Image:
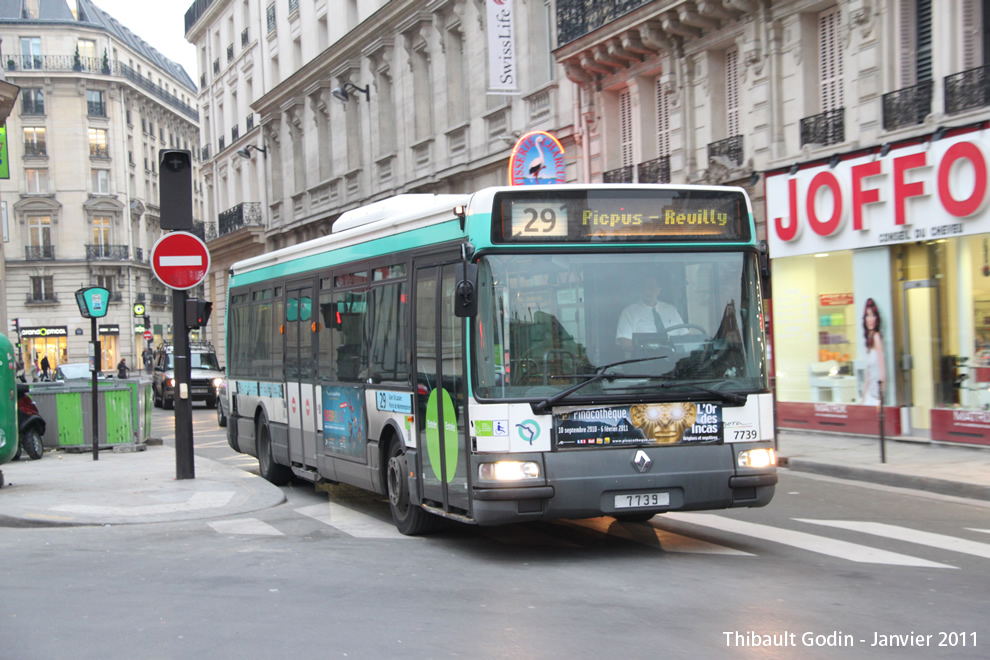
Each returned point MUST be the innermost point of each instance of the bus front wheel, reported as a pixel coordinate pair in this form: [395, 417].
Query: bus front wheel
[409, 518]
[269, 469]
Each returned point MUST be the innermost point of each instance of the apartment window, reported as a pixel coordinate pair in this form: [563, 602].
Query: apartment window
[457, 85]
[101, 181]
[32, 101]
[105, 282]
[830, 60]
[34, 142]
[36, 180]
[40, 231]
[625, 128]
[975, 30]
[31, 52]
[98, 143]
[732, 92]
[424, 101]
[95, 104]
[101, 233]
[87, 49]
[30, 9]
[43, 287]
[270, 17]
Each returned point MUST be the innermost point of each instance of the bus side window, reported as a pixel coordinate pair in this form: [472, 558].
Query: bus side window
[350, 345]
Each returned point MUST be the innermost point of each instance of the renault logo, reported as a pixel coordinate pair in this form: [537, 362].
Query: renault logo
[642, 462]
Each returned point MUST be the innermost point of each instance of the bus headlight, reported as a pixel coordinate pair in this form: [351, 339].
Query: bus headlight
[757, 458]
[509, 470]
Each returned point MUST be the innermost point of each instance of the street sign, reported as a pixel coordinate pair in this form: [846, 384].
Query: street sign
[139, 309]
[148, 336]
[180, 260]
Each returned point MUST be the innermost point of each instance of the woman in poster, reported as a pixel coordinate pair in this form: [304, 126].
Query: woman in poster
[875, 374]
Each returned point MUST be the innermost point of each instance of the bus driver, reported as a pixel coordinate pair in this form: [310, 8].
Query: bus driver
[648, 315]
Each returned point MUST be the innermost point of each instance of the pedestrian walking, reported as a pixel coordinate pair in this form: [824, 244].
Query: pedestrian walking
[45, 368]
[122, 368]
[149, 359]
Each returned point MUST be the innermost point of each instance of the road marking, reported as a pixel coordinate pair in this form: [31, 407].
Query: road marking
[657, 538]
[352, 522]
[910, 535]
[982, 531]
[196, 502]
[820, 544]
[245, 526]
[187, 260]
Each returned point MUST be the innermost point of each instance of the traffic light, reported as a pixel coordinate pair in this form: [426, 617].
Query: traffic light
[197, 313]
[175, 179]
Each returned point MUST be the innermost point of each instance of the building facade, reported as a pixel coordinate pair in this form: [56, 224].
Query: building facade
[284, 155]
[858, 127]
[97, 104]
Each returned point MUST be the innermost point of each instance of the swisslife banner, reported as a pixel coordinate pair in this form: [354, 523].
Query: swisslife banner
[502, 74]
[924, 191]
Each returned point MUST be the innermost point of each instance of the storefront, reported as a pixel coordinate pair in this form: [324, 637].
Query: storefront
[881, 272]
[44, 342]
[109, 346]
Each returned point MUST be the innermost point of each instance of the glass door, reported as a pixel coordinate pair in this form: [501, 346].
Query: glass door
[923, 350]
[300, 375]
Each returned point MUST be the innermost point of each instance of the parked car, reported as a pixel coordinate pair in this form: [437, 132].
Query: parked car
[76, 371]
[205, 377]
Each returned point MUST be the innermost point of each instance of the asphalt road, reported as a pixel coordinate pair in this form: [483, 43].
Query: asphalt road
[830, 569]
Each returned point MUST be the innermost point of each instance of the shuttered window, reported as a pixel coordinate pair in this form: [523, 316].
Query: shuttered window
[626, 128]
[830, 59]
[732, 92]
[663, 120]
[974, 45]
[923, 62]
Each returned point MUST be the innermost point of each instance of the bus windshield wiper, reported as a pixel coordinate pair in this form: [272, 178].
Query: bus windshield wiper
[725, 397]
[543, 407]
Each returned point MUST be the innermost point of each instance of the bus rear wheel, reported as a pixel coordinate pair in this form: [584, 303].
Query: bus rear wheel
[410, 519]
[269, 469]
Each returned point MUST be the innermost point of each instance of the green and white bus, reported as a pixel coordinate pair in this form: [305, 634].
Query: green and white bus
[486, 358]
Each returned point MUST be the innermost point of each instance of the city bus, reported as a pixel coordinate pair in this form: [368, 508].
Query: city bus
[473, 357]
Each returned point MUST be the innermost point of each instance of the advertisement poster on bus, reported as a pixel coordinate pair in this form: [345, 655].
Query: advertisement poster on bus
[537, 159]
[641, 424]
[343, 421]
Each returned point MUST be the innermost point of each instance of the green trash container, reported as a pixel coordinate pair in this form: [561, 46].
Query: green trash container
[8, 402]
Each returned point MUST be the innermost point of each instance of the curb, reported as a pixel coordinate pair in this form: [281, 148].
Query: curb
[929, 484]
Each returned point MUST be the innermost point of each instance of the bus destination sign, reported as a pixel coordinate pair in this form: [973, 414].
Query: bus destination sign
[628, 216]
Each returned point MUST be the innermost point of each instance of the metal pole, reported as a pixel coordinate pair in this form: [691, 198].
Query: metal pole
[184, 465]
[883, 445]
[97, 362]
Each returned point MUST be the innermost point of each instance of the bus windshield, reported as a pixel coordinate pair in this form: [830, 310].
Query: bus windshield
[684, 323]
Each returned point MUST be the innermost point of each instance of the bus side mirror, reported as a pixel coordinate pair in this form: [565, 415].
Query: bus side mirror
[466, 290]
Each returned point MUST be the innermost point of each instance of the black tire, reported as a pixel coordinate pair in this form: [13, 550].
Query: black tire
[31, 441]
[269, 469]
[17, 454]
[410, 519]
[221, 418]
[211, 403]
[167, 404]
[642, 516]
[158, 402]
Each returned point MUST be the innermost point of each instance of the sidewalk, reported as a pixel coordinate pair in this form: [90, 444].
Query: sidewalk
[124, 488]
[140, 487]
[960, 470]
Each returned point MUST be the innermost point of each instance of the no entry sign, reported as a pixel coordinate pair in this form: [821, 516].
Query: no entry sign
[180, 260]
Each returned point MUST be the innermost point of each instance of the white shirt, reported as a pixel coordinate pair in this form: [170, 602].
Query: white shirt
[638, 318]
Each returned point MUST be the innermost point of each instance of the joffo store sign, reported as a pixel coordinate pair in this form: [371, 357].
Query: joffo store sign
[919, 192]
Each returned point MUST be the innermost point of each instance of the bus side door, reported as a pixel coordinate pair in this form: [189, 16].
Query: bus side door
[300, 374]
[441, 392]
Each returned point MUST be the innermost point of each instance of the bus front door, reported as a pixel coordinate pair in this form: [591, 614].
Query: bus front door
[300, 374]
[441, 392]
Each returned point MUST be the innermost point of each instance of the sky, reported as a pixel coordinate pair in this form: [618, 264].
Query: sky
[161, 23]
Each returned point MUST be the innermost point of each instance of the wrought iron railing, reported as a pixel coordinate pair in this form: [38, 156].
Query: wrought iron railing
[108, 252]
[116, 296]
[235, 133]
[139, 255]
[828, 127]
[731, 149]
[42, 299]
[908, 106]
[967, 90]
[655, 171]
[202, 80]
[205, 153]
[159, 299]
[618, 175]
[32, 106]
[216, 66]
[242, 215]
[244, 37]
[139, 297]
[196, 10]
[99, 151]
[576, 18]
[249, 123]
[230, 53]
[39, 252]
[199, 230]
[222, 143]
[96, 108]
[157, 91]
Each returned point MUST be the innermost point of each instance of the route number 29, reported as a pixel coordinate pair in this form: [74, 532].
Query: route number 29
[539, 221]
